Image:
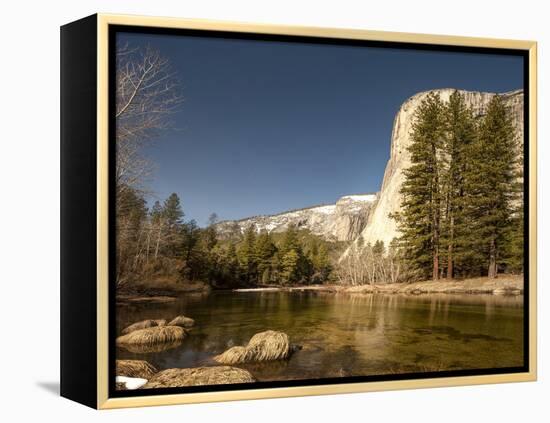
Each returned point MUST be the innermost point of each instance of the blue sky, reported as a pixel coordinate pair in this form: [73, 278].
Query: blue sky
[271, 126]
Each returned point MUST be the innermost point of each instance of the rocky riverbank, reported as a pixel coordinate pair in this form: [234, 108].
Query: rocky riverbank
[503, 285]
[158, 292]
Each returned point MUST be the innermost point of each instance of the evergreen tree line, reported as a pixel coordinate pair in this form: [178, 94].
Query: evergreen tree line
[461, 213]
[158, 245]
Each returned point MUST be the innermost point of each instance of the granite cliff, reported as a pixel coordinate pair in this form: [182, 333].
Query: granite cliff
[379, 225]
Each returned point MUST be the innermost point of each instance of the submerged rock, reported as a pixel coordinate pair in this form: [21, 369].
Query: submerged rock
[183, 321]
[144, 324]
[217, 375]
[153, 336]
[264, 346]
[135, 368]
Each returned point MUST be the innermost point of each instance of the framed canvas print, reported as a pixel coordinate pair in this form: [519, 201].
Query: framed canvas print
[256, 211]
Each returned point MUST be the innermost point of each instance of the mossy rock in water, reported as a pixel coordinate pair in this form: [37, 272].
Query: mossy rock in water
[264, 346]
[150, 348]
[183, 321]
[144, 324]
[135, 368]
[153, 336]
[217, 375]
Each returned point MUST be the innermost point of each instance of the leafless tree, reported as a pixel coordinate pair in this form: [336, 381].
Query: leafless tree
[148, 92]
[364, 264]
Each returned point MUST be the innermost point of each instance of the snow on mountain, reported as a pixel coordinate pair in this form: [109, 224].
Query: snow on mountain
[342, 221]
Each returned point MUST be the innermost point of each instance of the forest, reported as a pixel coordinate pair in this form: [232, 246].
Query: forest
[158, 245]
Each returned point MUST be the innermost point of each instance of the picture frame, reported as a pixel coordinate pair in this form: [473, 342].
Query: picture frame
[88, 246]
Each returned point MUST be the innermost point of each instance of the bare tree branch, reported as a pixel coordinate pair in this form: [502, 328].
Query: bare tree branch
[148, 92]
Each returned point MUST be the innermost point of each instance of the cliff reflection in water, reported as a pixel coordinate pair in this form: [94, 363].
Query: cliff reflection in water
[342, 334]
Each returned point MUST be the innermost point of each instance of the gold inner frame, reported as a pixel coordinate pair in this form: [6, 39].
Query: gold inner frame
[103, 22]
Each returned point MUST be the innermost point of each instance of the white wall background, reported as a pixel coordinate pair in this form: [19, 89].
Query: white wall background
[29, 239]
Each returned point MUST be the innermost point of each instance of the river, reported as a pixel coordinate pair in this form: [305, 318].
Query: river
[343, 334]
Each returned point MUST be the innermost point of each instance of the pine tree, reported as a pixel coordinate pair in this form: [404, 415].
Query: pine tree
[460, 134]
[247, 256]
[190, 238]
[491, 182]
[172, 210]
[265, 249]
[156, 211]
[420, 217]
[515, 252]
[290, 272]
[321, 263]
[172, 214]
[210, 235]
[290, 240]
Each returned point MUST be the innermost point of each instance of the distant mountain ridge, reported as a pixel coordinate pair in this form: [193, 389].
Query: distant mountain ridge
[341, 221]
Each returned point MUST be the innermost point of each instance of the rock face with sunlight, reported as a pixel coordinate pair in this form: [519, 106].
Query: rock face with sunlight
[379, 224]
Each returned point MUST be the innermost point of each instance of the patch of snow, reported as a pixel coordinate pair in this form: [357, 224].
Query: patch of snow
[324, 209]
[270, 226]
[369, 198]
[131, 382]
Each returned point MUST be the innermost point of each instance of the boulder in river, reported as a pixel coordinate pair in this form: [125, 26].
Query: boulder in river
[153, 336]
[183, 321]
[135, 368]
[149, 323]
[217, 375]
[264, 346]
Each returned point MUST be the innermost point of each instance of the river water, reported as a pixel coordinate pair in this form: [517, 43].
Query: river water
[343, 334]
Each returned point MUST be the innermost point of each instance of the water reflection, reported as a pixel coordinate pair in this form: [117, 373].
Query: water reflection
[342, 334]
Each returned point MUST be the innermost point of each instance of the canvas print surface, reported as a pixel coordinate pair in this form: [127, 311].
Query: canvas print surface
[293, 211]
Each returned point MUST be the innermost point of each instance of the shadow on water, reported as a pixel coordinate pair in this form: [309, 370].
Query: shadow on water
[456, 335]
